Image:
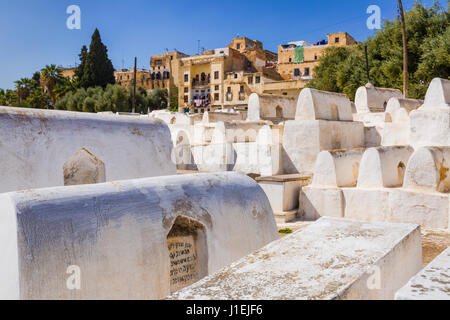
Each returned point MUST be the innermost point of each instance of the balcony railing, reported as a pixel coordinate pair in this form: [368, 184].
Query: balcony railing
[241, 96]
[200, 82]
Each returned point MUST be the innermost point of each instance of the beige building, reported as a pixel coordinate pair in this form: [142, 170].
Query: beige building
[225, 77]
[164, 70]
[68, 73]
[296, 60]
[124, 77]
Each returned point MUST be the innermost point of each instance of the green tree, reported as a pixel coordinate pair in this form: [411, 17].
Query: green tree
[38, 99]
[98, 69]
[158, 99]
[79, 72]
[23, 89]
[50, 76]
[173, 99]
[343, 69]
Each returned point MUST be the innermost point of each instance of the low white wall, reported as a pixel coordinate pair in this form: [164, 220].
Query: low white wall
[400, 108]
[332, 259]
[384, 167]
[313, 104]
[428, 170]
[431, 283]
[116, 233]
[338, 168]
[267, 106]
[35, 144]
[430, 124]
[438, 94]
[372, 99]
[303, 141]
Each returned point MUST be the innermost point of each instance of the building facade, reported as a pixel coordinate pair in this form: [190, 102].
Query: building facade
[226, 77]
[296, 60]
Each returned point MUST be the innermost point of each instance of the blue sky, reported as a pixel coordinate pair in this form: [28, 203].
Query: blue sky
[33, 33]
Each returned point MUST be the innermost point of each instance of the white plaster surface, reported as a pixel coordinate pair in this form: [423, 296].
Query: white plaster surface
[303, 140]
[432, 283]
[35, 144]
[438, 94]
[428, 170]
[384, 167]
[400, 108]
[329, 260]
[372, 99]
[316, 202]
[116, 233]
[338, 168]
[314, 104]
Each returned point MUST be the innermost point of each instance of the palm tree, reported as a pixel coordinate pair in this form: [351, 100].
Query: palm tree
[64, 86]
[49, 78]
[23, 87]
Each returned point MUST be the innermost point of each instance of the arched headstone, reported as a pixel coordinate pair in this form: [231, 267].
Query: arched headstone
[188, 252]
[84, 168]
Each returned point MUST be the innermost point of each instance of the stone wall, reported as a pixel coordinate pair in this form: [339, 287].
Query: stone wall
[35, 145]
[136, 239]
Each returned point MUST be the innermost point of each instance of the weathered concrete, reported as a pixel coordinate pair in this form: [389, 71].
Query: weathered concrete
[330, 259]
[399, 108]
[268, 106]
[35, 144]
[428, 170]
[432, 283]
[304, 140]
[83, 168]
[430, 124]
[438, 94]
[316, 202]
[337, 168]
[313, 104]
[120, 235]
[372, 99]
[283, 193]
[384, 167]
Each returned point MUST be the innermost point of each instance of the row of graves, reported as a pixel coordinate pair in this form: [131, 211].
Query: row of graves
[92, 207]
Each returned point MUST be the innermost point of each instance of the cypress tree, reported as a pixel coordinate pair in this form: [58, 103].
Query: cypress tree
[79, 72]
[98, 70]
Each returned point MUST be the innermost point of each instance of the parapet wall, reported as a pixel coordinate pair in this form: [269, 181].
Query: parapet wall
[35, 145]
[136, 239]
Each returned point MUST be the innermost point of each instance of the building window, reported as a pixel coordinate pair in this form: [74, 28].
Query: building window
[229, 90]
[315, 56]
[296, 72]
[336, 40]
[216, 75]
[290, 59]
[306, 72]
[238, 46]
[258, 79]
[186, 99]
[186, 78]
[216, 96]
[186, 89]
[250, 79]
[235, 76]
[216, 88]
